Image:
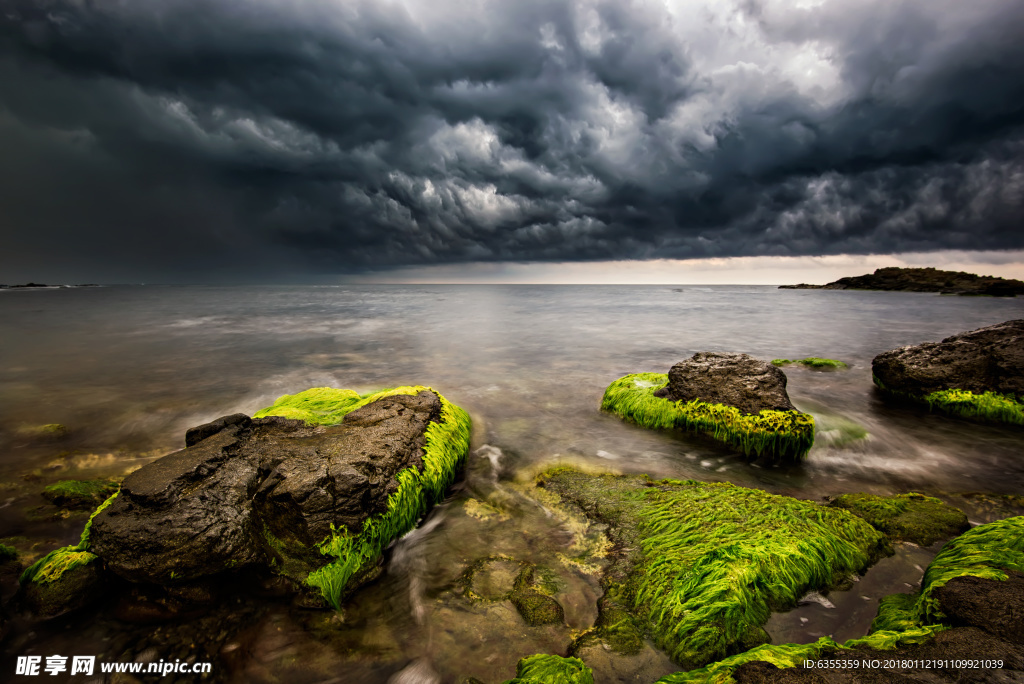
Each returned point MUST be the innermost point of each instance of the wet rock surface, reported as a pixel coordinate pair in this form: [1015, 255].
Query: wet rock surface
[989, 359]
[994, 605]
[739, 380]
[217, 504]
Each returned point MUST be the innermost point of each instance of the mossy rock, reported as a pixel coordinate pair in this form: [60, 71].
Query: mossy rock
[551, 669]
[68, 580]
[80, 494]
[987, 551]
[769, 434]
[502, 578]
[701, 566]
[8, 553]
[912, 517]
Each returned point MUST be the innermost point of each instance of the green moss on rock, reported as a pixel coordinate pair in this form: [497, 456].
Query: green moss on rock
[813, 362]
[7, 553]
[986, 407]
[776, 435]
[447, 443]
[79, 493]
[711, 561]
[551, 669]
[911, 517]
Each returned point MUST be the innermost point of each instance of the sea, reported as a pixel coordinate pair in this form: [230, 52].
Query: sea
[127, 369]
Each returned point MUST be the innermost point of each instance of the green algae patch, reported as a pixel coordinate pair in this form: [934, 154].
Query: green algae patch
[8, 553]
[55, 564]
[911, 517]
[987, 407]
[318, 406]
[551, 669]
[813, 362]
[775, 435]
[354, 553]
[705, 564]
[79, 493]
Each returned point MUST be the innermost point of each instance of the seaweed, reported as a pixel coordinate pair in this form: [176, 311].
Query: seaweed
[713, 560]
[551, 669]
[776, 435]
[447, 443]
[79, 493]
[988, 407]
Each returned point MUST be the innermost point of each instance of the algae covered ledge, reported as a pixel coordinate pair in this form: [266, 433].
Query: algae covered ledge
[770, 434]
[445, 450]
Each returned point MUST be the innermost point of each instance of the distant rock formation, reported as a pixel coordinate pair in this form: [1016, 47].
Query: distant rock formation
[922, 280]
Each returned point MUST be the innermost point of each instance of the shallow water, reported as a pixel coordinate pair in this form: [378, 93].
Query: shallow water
[128, 369]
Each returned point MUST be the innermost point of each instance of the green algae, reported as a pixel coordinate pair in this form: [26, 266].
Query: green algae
[317, 406]
[986, 551]
[55, 564]
[711, 561]
[813, 362]
[79, 493]
[987, 407]
[911, 517]
[777, 435]
[447, 443]
[7, 553]
[551, 669]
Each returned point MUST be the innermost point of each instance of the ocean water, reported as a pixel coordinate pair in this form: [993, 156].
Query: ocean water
[128, 369]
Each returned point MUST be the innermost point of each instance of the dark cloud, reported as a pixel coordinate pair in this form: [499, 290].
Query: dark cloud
[220, 137]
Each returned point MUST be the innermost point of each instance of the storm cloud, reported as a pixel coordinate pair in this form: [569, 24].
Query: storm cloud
[278, 136]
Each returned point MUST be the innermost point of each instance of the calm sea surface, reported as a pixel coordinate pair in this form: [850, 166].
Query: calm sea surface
[128, 369]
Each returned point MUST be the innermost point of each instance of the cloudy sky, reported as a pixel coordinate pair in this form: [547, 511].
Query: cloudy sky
[279, 139]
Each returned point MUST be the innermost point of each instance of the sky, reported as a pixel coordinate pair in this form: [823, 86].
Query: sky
[495, 141]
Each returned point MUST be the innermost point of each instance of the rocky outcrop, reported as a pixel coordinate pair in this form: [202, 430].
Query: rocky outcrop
[922, 280]
[247, 489]
[739, 380]
[985, 360]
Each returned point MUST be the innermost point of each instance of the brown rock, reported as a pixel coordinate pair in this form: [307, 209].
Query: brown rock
[739, 380]
[985, 360]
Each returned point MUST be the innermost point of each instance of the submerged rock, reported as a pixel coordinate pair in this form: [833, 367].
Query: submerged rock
[922, 520]
[314, 503]
[976, 374]
[500, 578]
[80, 494]
[732, 398]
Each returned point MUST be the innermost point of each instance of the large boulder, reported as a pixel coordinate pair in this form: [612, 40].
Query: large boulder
[268, 491]
[985, 360]
[739, 380]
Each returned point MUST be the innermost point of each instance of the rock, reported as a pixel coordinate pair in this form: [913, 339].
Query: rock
[993, 605]
[922, 520]
[737, 380]
[984, 360]
[263, 491]
[731, 398]
[78, 586]
[923, 280]
[200, 432]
